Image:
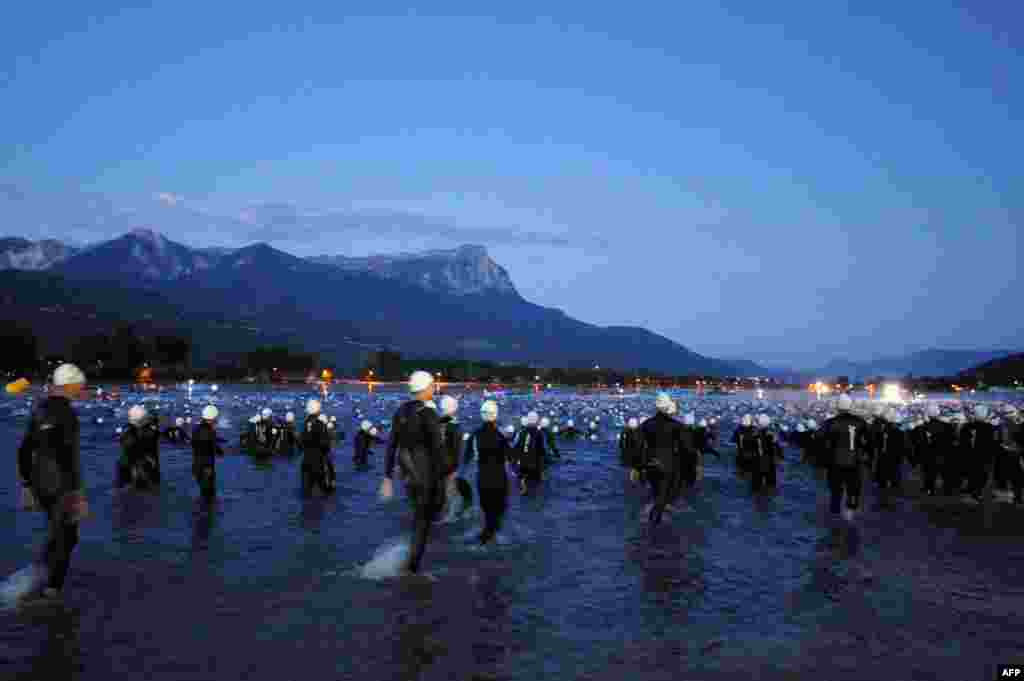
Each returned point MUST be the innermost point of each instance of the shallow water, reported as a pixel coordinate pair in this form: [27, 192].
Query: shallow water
[270, 585]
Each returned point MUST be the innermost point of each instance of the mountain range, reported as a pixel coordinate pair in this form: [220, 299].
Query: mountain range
[456, 303]
[452, 303]
[931, 362]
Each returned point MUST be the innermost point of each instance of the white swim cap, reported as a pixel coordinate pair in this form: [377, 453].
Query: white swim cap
[489, 411]
[633, 423]
[365, 426]
[764, 421]
[524, 422]
[313, 407]
[289, 417]
[981, 412]
[136, 414]
[179, 422]
[510, 429]
[703, 423]
[431, 404]
[373, 432]
[570, 423]
[663, 403]
[545, 422]
[68, 374]
[532, 418]
[449, 405]
[690, 420]
[800, 428]
[845, 403]
[267, 413]
[747, 420]
[420, 381]
[210, 413]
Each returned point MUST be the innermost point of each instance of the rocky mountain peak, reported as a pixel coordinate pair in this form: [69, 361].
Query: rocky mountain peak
[466, 270]
[22, 254]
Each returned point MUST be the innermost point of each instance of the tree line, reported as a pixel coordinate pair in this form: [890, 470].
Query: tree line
[121, 354]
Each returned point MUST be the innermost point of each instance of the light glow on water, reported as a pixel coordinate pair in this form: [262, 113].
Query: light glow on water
[892, 392]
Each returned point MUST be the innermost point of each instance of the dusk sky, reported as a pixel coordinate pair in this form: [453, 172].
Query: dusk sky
[782, 182]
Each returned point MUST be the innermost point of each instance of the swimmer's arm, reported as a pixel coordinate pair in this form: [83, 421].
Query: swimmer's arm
[74, 450]
[389, 459]
[26, 450]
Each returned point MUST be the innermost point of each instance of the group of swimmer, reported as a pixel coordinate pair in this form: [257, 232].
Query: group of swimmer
[427, 449]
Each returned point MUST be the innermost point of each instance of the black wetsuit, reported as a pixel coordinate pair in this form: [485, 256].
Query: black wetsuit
[417, 446]
[631, 445]
[490, 448]
[705, 442]
[50, 465]
[175, 434]
[954, 473]
[247, 438]
[890, 447]
[205, 450]
[979, 450]
[361, 448]
[742, 438]
[551, 443]
[134, 466]
[288, 438]
[688, 454]
[802, 442]
[846, 439]
[530, 453]
[317, 467]
[660, 435]
[875, 429]
[767, 451]
[150, 464]
[452, 435]
[1011, 460]
[936, 441]
[821, 458]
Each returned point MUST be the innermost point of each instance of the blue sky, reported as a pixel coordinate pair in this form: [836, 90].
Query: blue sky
[785, 182]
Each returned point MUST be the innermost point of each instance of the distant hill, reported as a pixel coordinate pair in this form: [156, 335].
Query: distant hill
[1006, 371]
[932, 362]
[456, 304]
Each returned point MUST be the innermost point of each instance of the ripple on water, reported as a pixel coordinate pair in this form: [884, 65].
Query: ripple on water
[576, 585]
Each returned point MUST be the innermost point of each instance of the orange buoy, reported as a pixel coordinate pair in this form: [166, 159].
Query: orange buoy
[18, 386]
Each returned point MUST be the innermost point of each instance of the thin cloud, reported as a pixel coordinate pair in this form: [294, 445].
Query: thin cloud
[168, 198]
[274, 221]
[94, 217]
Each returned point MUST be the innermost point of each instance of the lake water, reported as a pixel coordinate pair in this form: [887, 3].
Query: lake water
[272, 586]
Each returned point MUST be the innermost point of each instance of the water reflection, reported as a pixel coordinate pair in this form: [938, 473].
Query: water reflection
[204, 518]
[59, 653]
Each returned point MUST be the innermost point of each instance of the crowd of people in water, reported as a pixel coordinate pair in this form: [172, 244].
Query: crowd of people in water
[972, 452]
